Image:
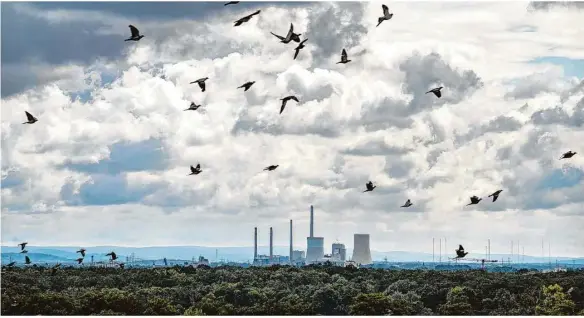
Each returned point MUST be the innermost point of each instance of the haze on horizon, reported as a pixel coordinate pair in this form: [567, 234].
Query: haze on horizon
[107, 162]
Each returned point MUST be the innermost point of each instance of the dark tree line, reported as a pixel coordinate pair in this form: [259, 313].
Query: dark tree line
[288, 291]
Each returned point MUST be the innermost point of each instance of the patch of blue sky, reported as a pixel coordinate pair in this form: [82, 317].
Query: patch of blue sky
[572, 67]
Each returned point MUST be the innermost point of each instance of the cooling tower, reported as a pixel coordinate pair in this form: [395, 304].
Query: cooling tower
[311, 221]
[271, 243]
[361, 252]
[255, 243]
[315, 250]
[291, 243]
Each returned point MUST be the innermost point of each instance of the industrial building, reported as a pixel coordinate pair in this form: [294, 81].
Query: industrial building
[361, 251]
[314, 245]
[339, 251]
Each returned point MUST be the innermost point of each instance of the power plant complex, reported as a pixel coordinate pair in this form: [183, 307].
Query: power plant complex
[315, 250]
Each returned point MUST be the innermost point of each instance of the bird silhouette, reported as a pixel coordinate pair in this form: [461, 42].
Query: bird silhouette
[27, 260]
[271, 168]
[82, 251]
[407, 204]
[460, 253]
[246, 18]
[474, 200]
[22, 245]
[299, 47]
[246, 86]
[285, 100]
[344, 59]
[79, 260]
[30, 118]
[436, 91]
[568, 155]
[289, 36]
[11, 264]
[136, 36]
[196, 170]
[113, 255]
[495, 195]
[386, 15]
[193, 106]
[231, 2]
[201, 82]
[369, 185]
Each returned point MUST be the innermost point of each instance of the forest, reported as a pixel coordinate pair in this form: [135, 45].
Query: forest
[284, 290]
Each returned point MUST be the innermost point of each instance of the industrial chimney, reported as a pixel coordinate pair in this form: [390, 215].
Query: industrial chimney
[311, 221]
[271, 243]
[291, 243]
[255, 244]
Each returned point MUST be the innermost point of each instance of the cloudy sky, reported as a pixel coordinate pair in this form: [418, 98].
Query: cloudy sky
[107, 162]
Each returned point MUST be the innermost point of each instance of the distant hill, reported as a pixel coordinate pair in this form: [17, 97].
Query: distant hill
[236, 254]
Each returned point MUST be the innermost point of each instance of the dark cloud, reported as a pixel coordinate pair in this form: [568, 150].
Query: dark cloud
[334, 29]
[106, 190]
[558, 116]
[375, 148]
[126, 157]
[423, 73]
[547, 5]
[497, 125]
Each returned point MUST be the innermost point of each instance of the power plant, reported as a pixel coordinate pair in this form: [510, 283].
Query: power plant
[361, 251]
[314, 250]
[314, 245]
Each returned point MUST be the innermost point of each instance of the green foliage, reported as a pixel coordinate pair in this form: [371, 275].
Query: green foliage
[555, 302]
[376, 304]
[283, 290]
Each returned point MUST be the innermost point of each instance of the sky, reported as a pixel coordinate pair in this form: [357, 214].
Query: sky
[107, 162]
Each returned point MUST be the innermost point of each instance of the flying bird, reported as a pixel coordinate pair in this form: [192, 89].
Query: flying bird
[30, 118]
[82, 251]
[113, 255]
[135, 34]
[246, 18]
[474, 200]
[231, 2]
[79, 260]
[196, 170]
[460, 253]
[246, 86]
[271, 168]
[369, 186]
[22, 245]
[289, 36]
[285, 100]
[568, 155]
[11, 264]
[436, 91]
[407, 204]
[193, 106]
[27, 260]
[344, 59]
[201, 82]
[299, 47]
[495, 195]
[386, 15]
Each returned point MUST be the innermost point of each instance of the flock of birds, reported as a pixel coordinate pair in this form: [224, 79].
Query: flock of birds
[290, 37]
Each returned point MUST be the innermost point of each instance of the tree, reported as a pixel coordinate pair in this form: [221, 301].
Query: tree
[554, 302]
[457, 303]
[375, 304]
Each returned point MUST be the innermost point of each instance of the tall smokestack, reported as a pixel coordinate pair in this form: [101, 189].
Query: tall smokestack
[311, 221]
[291, 242]
[271, 243]
[255, 243]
